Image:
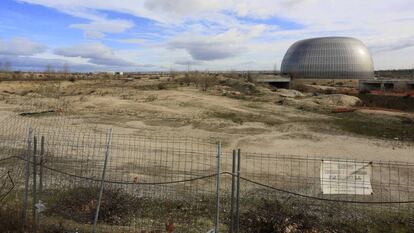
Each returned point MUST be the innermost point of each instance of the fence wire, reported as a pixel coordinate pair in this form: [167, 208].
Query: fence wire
[167, 183]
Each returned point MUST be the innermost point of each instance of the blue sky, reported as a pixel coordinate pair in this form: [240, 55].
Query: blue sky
[143, 35]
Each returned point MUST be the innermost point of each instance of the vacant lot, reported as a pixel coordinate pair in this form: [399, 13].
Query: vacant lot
[241, 113]
[157, 111]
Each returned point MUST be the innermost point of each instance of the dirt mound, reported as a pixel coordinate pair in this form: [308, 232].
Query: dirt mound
[337, 100]
[323, 102]
[289, 93]
[315, 88]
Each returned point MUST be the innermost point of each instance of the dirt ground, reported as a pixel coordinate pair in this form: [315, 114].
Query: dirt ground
[259, 123]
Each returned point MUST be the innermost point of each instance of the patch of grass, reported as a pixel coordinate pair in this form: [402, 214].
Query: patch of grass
[404, 103]
[294, 215]
[120, 208]
[10, 220]
[161, 86]
[240, 117]
[72, 210]
[151, 98]
[245, 88]
[79, 204]
[255, 105]
[234, 117]
[385, 128]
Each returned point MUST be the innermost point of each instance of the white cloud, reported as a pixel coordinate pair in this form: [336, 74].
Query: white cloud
[96, 53]
[99, 24]
[379, 23]
[20, 46]
[132, 41]
[40, 64]
[98, 28]
[221, 46]
[207, 50]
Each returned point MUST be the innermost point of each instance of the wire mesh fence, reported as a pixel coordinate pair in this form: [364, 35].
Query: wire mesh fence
[52, 176]
[311, 194]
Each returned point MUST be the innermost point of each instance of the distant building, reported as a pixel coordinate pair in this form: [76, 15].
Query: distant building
[115, 73]
[328, 58]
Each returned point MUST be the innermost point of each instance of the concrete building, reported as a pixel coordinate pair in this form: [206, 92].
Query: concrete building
[274, 80]
[391, 85]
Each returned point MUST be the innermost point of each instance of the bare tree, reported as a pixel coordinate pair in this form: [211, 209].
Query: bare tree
[204, 81]
[65, 70]
[250, 77]
[172, 73]
[49, 70]
[188, 67]
[7, 66]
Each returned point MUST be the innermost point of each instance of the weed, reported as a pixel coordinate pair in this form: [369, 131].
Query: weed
[269, 217]
[161, 86]
[10, 220]
[236, 118]
[293, 215]
[240, 117]
[241, 86]
[79, 204]
[392, 102]
[151, 98]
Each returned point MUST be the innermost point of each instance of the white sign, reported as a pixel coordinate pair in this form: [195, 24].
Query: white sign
[348, 177]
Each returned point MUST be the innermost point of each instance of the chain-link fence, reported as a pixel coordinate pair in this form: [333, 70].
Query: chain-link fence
[56, 178]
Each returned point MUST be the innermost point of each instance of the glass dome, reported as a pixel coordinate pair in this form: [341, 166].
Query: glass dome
[328, 58]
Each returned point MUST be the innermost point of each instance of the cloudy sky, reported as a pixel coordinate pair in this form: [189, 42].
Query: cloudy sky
[147, 35]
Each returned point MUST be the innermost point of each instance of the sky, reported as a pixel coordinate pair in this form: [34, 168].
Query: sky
[214, 35]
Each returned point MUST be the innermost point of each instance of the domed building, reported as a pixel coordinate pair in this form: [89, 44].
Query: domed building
[328, 58]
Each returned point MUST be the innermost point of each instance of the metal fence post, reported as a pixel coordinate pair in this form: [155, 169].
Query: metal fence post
[217, 222]
[26, 176]
[98, 205]
[238, 193]
[233, 186]
[34, 197]
[42, 150]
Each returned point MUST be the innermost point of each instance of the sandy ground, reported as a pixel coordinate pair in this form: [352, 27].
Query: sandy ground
[257, 127]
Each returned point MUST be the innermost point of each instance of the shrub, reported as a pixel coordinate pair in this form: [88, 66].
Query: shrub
[241, 86]
[234, 117]
[10, 220]
[276, 217]
[250, 77]
[79, 204]
[301, 216]
[151, 98]
[161, 86]
[204, 82]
